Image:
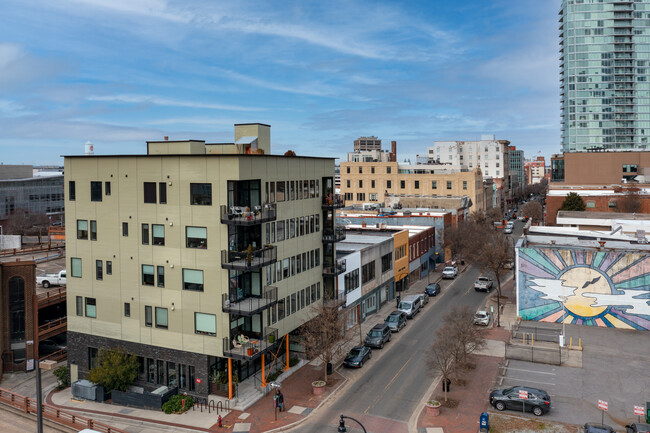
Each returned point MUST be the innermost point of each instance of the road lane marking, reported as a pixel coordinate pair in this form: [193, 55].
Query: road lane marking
[389, 384]
[529, 371]
[527, 380]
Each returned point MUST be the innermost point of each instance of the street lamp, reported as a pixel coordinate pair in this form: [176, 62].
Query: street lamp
[343, 429]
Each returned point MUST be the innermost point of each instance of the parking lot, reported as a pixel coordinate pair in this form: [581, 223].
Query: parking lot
[615, 368]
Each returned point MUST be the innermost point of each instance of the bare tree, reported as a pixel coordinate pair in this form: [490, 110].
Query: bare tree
[23, 222]
[325, 334]
[630, 202]
[532, 210]
[441, 356]
[493, 252]
[459, 323]
[456, 237]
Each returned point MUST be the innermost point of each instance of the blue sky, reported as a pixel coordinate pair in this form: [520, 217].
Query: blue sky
[322, 73]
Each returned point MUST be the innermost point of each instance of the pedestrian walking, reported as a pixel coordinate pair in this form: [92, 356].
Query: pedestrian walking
[280, 400]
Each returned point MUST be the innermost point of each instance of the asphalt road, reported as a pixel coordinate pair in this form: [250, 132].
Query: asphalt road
[387, 390]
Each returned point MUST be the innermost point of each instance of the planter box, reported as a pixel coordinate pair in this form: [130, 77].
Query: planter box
[137, 397]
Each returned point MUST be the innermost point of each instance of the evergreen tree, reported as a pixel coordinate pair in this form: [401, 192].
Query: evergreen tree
[573, 202]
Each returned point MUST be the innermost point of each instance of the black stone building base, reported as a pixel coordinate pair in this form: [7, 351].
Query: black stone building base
[79, 346]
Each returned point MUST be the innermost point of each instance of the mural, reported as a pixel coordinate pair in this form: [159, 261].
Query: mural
[608, 289]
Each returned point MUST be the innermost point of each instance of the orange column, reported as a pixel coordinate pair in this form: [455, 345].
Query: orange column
[229, 378]
[263, 373]
[286, 337]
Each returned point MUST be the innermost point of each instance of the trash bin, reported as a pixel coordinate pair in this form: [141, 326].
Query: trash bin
[484, 423]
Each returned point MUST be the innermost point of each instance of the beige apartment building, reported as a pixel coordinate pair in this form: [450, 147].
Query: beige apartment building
[373, 182]
[199, 258]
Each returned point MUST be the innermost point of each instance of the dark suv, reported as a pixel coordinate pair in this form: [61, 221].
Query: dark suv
[377, 336]
[592, 427]
[637, 428]
[396, 321]
[538, 401]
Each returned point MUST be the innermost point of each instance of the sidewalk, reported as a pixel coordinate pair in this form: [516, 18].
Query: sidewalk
[471, 397]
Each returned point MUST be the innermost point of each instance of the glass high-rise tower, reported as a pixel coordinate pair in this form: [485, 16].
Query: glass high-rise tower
[605, 74]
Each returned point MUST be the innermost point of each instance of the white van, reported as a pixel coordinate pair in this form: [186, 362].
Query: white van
[410, 305]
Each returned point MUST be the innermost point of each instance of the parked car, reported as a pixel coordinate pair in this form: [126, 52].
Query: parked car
[538, 401]
[482, 318]
[48, 280]
[450, 272]
[410, 306]
[432, 289]
[637, 428]
[47, 347]
[483, 284]
[424, 298]
[357, 356]
[507, 230]
[592, 427]
[396, 321]
[377, 336]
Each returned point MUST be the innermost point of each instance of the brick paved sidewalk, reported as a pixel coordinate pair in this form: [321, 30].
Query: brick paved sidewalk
[299, 401]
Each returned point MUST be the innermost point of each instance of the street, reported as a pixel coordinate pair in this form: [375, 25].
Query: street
[386, 391]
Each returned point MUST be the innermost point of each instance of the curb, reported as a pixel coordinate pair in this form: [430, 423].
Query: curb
[415, 416]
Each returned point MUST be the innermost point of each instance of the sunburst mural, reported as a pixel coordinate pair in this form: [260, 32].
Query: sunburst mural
[608, 289]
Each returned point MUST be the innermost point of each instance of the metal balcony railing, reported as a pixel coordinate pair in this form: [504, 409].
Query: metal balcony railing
[334, 269]
[333, 201]
[248, 346]
[246, 261]
[245, 216]
[336, 235]
[249, 305]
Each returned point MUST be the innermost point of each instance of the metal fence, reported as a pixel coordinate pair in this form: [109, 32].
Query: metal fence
[531, 353]
[526, 333]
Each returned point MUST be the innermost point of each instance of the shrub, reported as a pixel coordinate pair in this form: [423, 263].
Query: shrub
[62, 378]
[115, 369]
[175, 404]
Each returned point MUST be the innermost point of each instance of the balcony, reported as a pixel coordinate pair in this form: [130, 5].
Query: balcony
[337, 300]
[333, 201]
[249, 305]
[336, 235]
[245, 216]
[248, 347]
[332, 270]
[249, 260]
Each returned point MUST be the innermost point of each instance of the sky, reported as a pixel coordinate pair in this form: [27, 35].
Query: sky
[321, 73]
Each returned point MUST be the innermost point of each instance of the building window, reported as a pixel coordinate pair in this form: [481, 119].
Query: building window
[161, 317]
[402, 184]
[160, 271]
[91, 308]
[360, 184]
[351, 280]
[372, 170]
[387, 262]
[162, 193]
[361, 196]
[347, 169]
[145, 234]
[127, 309]
[158, 232]
[193, 280]
[80, 306]
[107, 188]
[72, 190]
[464, 184]
[93, 354]
[448, 184]
[82, 229]
[417, 184]
[150, 192]
[389, 184]
[373, 196]
[205, 324]
[360, 170]
[147, 275]
[197, 237]
[368, 272]
[434, 184]
[612, 203]
[372, 183]
[125, 229]
[280, 191]
[201, 194]
[591, 204]
[109, 267]
[281, 309]
[630, 168]
[387, 170]
[95, 191]
[93, 230]
[148, 321]
[347, 182]
[75, 265]
[99, 270]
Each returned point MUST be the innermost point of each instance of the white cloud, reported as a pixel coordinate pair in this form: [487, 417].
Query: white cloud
[155, 100]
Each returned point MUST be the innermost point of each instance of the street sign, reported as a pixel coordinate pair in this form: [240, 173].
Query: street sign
[198, 380]
[523, 394]
[638, 410]
[602, 404]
